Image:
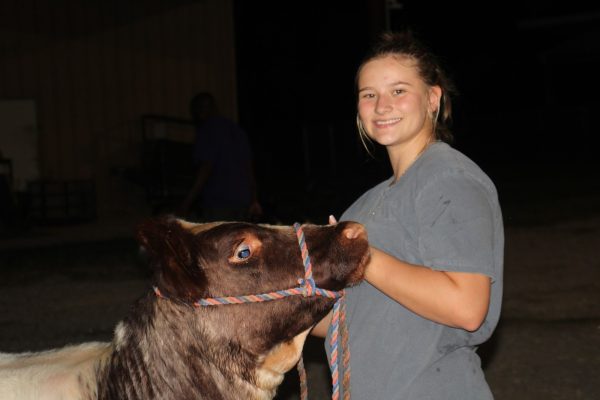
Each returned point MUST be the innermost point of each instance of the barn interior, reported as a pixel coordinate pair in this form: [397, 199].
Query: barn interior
[96, 135]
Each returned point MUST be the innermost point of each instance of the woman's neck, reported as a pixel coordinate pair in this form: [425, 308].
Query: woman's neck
[403, 156]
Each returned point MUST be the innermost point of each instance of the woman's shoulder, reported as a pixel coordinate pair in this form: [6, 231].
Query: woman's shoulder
[443, 161]
[447, 175]
[442, 156]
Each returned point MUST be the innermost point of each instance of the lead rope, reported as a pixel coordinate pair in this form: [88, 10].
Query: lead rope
[338, 327]
[338, 319]
[306, 288]
[339, 330]
[345, 349]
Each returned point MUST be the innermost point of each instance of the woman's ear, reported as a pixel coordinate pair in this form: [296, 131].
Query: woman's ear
[435, 96]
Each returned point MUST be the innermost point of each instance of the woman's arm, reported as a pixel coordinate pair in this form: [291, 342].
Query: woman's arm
[320, 329]
[456, 299]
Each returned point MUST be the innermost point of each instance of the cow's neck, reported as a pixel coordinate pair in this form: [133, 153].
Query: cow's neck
[157, 355]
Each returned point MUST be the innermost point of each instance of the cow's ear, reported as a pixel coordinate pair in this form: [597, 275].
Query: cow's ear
[164, 237]
[169, 249]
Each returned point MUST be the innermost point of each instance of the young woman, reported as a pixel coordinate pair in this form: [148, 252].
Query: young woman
[433, 288]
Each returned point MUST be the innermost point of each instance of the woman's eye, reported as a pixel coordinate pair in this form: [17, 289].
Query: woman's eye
[398, 91]
[243, 252]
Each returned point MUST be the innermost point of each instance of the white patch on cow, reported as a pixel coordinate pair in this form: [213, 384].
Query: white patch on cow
[275, 227]
[278, 361]
[120, 336]
[67, 373]
[197, 227]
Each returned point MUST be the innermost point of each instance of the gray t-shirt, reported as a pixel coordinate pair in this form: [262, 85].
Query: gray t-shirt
[444, 214]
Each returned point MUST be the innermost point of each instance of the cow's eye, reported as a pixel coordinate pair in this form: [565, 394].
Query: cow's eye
[243, 251]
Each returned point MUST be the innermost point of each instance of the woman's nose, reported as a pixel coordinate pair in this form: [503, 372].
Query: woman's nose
[383, 105]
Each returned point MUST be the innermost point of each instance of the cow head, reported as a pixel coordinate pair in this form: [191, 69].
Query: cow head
[196, 261]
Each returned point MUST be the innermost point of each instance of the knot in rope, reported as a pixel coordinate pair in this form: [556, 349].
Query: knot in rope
[308, 288]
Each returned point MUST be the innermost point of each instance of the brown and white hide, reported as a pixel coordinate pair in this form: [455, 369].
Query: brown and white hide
[168, 349]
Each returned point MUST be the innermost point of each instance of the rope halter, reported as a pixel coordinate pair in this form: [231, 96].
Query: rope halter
[306, 288]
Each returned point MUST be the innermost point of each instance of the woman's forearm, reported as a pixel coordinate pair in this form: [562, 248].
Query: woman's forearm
[455, 299]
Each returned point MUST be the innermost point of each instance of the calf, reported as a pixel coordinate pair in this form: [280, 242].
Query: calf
[169, 347]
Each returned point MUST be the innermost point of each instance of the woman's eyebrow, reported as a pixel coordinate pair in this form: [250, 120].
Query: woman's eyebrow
[397, 83]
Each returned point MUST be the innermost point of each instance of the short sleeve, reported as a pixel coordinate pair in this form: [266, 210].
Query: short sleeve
[456, 222]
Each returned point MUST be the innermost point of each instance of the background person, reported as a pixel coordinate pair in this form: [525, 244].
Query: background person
[224, 188]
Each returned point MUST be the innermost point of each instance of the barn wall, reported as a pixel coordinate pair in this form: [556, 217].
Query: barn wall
[93, 69]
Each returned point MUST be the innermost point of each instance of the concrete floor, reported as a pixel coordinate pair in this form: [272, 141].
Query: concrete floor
[72, 284]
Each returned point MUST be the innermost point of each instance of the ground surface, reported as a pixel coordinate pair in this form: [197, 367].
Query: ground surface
[547, 345]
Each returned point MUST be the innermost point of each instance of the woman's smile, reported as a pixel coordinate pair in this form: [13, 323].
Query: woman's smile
[382, 123]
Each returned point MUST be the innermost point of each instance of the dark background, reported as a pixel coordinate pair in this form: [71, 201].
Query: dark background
[526, 74]
[106, 75]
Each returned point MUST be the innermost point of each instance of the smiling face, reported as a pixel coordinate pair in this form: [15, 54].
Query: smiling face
[394, 103]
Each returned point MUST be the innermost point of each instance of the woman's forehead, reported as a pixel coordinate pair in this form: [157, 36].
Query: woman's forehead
[389, 69]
